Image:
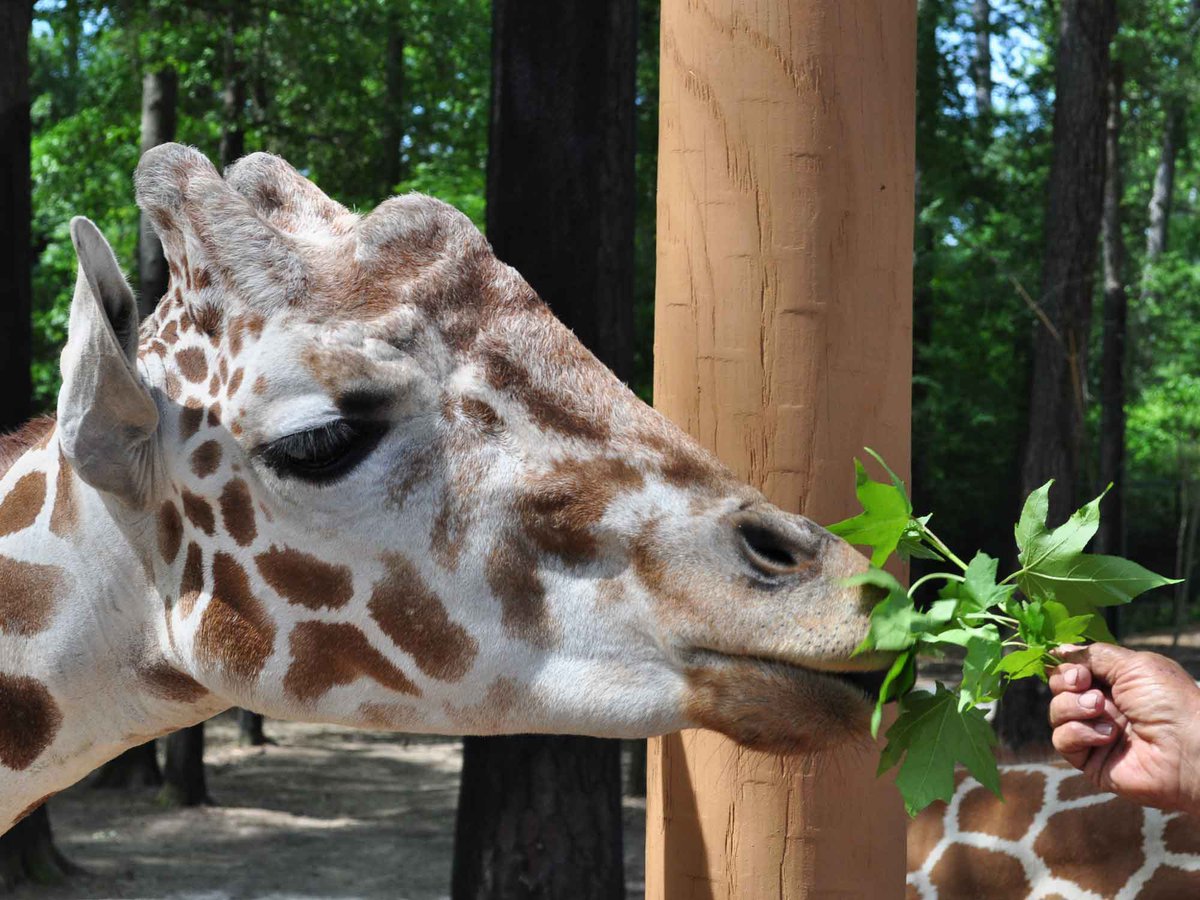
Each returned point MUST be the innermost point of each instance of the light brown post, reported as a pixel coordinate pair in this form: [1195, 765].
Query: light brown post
[784, 343]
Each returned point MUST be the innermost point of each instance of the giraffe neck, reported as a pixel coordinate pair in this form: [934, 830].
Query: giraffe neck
[87, 668]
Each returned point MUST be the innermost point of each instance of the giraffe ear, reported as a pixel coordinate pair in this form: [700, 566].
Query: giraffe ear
[106, 416]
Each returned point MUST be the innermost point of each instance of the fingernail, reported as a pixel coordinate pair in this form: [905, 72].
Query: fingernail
[1104, 728]
[1089, 701]
[1071, 677]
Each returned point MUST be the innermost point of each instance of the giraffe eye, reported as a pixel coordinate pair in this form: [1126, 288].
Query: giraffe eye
[322, 454]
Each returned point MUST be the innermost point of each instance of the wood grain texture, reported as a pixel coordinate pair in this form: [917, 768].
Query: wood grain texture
[783, 343]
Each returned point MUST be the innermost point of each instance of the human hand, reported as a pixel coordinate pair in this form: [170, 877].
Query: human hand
[1130, 722]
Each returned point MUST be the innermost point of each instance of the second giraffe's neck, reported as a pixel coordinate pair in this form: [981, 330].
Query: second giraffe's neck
[86, 665]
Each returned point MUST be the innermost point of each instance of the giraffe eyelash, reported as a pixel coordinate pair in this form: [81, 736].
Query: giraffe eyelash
[324, 454]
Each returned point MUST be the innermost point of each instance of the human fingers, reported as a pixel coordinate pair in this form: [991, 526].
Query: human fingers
[1076, 740]
[1101, 659]
[1070, 707]
[1070, 677]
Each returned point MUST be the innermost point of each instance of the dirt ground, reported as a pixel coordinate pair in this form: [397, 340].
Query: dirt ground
[326, 814]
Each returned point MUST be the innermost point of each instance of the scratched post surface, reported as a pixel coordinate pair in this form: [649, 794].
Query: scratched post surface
[784, 343]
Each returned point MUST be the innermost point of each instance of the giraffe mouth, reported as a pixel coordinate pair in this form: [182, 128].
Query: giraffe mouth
[779, 705]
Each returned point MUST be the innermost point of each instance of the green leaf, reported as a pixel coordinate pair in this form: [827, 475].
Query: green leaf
[979, 589]
[1061, 626]
[896, 623]
[898, 682]
[885, 516]
[981, 683]
[932, 735]
[1025, 663]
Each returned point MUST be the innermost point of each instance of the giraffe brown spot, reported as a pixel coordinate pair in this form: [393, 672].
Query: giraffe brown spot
[1182, 835]
[235, 381]
[170, 333]
[546, 409]
[214, 385]
[172, 387]
[1170, 883]
[170, 531]
[22, 503]
[1075, 788]
[202, 278]
[206, 459]
[326, 654]
[190, 418]
[193, 364]
[260, 385]
[651, 567]
[255, 325]
[223, 370]
[559, 511]
[214, 415]
[191, 583]
[65, 515]
[513, 578]
[911, 892]
[235, 630]
[388, 716]
[482, 416]
[924, 832]
[208, 321]
[1098, 847]
[493, 712]
[305, 580]
[165, 681]
[236, 325]
[198, 512]
[31, 720]
[28, 593]
[415, 619]
[965, 871]
[237, 510]
[1010, 818]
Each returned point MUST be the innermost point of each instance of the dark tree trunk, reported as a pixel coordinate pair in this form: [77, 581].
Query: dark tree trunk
[540, 816]
[28, 854]
[1059, 380]
[233, 95]
[135, 768]
[396, 114]
[635, 781]
[183, 775]
[1110, 538]
[250, 729]
[159, 91]
[981, 63]
[16, 255]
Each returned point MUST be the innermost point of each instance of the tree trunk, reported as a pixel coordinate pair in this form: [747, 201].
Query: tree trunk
[135, 768]
[635, 783]
[233, 96]
[250, 729]
[981, 64]
[540, 816]
[159, 91]
[396, 112]
[1111, 536]
[28, 854]
[183, 775]
[1162, 194]
[1075, 200]
[16, 256]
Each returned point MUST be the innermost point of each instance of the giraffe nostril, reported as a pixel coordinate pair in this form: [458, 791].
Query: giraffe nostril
[771, 550]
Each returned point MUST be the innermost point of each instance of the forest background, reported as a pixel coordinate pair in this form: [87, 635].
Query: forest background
[384, 96]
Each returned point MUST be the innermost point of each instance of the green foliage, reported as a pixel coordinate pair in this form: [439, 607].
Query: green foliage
[1061, 588]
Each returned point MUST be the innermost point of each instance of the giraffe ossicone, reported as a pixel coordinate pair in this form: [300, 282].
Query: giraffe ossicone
[353, 470]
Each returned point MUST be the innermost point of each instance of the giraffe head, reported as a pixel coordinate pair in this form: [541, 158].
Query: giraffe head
[374, 481]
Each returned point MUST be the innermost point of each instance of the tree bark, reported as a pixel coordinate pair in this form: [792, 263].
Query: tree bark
[981, 63]
[184, 783]
[159, 92]
[396, 115]
[137, 767]
[28, 854]
[1058, 397]
[16, 256]
[233, 95]
[540, 816]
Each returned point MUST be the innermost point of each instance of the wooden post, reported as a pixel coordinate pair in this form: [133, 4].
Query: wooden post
[784, 344]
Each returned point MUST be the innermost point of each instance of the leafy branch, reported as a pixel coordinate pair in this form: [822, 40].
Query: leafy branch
[1007, 627]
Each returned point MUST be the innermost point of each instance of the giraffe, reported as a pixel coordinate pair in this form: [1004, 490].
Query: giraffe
[1055, 836]
[352, 470]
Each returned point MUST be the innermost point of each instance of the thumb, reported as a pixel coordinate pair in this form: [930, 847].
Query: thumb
[1101, 659]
